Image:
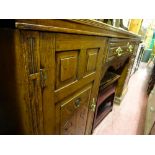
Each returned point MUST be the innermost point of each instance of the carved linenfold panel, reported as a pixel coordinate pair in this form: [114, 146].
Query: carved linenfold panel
[32, 56]
[34, 104]
[73, 116]
[91, 60]
[31, 49]
[66, 67]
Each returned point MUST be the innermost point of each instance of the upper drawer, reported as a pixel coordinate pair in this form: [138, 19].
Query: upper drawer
[118, 47]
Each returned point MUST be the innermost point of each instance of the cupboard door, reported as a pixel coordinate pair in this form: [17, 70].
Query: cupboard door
[30, 46]
[38, 48]
[72, 113]
[78, 63]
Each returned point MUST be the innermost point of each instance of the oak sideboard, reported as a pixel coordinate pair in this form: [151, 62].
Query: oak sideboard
[51, 72]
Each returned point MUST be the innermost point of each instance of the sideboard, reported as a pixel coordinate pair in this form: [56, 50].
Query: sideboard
[51, 72]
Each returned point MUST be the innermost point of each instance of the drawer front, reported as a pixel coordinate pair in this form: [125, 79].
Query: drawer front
[120, 47]
[72, 113]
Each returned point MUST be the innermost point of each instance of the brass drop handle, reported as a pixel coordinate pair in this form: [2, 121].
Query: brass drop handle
[130, 48]
[93, 105]
[119, 51]
[128, 44]
[77, 102]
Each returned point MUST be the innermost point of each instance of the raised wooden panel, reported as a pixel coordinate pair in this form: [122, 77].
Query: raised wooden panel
[92, 58]
[72, 113]
[66, 68]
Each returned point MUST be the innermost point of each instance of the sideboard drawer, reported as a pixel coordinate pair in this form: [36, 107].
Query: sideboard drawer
[119, 47]
[117, 51]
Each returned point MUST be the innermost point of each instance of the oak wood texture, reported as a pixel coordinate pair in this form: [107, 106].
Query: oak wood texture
[30, 47]
[66, 67]
[52, 65]
[91, 60]
[47, 63]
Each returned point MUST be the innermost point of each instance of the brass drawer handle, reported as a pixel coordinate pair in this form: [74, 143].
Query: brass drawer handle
[119, 51]
[130, 48]
[128, 44]
[77, 102]
[93, 105]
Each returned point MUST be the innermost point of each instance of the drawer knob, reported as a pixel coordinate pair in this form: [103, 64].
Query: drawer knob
[77, 102]
[119, 51]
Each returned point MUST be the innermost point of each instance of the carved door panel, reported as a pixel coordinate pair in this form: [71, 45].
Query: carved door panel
[30, 45]
[38, 50]
[72, 113]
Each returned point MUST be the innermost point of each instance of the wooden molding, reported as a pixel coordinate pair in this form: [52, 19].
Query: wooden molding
[76, 26]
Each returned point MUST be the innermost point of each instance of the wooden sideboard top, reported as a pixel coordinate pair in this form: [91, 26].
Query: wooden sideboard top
[76, 26]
